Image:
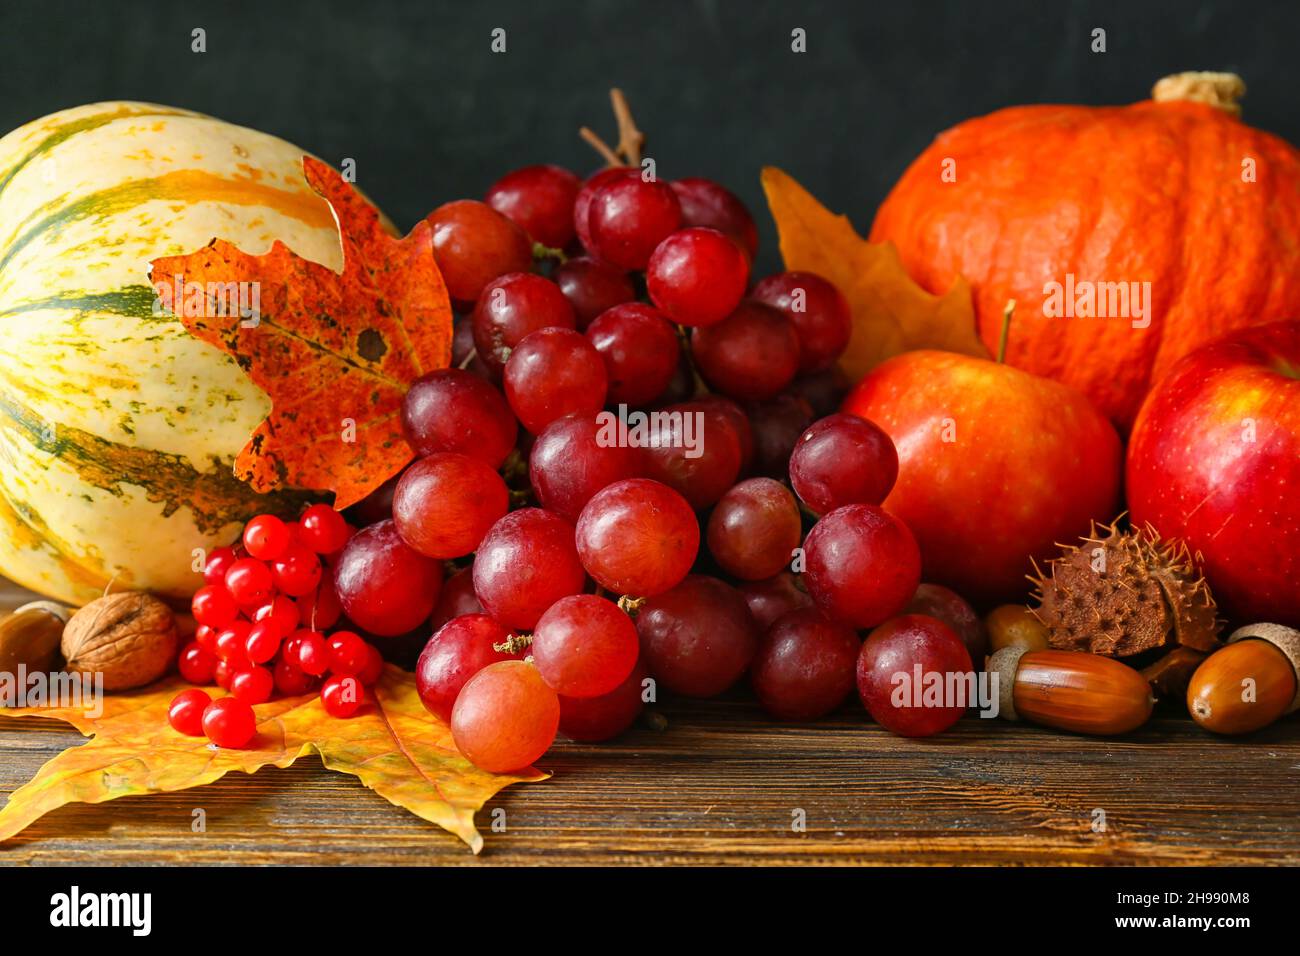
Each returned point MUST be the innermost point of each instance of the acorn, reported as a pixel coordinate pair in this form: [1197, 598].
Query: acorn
[1070, 690]
[1249, 683]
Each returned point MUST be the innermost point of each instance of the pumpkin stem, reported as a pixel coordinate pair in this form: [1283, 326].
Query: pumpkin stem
[1009, 308]
[1220, 90]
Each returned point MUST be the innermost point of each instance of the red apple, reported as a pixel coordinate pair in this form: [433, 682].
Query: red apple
[1214, 459]
[994, 465]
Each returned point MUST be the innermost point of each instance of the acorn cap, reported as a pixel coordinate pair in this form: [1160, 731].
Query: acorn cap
[1004, 664]
[1285, 639]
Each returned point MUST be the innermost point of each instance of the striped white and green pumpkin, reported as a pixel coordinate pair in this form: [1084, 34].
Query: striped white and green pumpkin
[118, 429]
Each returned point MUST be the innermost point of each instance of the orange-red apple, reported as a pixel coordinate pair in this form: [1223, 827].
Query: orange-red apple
[995, 465]
[1214, 459]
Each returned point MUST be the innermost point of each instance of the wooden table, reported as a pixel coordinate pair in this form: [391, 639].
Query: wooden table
[724, 784]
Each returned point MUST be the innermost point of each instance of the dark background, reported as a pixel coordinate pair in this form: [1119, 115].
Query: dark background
[412, 91]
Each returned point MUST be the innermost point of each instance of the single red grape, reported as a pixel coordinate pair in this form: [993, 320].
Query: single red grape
[196, 664]
[457, 651]
[229, 723]
[739, 421]
[705, 203]
[592, 287]
[751, 354]
[453, 410]
[804, 667]
[754, 529]
[342, 695]
[698, 638]
[774, 598]
[572, 460]
[638, 537]
[539, 199]
[894, 656]
[383, 585]
[474, 244]
[511, 307]
[584, 646]
[525, 564]
[843, 460]
[629, 216]
[697, 276]
[552, 373]
[456, 598]
[322, 529]
[824, 391]
[253, 685]
[777, 425]
[694, 448]
[640, 350]
[582, 202]
[595, 719]
[937, 601]
[863, 565]
[185, 712]
[266, 537]
[819, 312]
[505, 717]
[446, 502]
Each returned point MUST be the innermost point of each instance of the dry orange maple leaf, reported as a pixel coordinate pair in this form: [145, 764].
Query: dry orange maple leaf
[891, 313]
[335, 352]
[393, 745]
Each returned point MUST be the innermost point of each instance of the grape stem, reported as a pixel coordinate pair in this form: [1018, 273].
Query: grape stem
[630, 139]
[630, 605]
[513, 644]
[547, 252]
[465, 362]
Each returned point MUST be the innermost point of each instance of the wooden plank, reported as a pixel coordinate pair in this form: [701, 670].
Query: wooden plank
[724, 784]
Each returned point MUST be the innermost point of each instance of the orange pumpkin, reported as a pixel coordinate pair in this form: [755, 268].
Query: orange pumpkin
[1071, 210]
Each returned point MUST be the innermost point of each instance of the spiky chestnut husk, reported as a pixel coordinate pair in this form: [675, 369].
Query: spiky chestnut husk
[1122, 592]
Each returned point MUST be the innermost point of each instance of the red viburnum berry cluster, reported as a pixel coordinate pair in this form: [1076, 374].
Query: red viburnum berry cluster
[262, 618]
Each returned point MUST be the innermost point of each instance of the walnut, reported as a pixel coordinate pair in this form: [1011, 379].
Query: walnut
[129, 637]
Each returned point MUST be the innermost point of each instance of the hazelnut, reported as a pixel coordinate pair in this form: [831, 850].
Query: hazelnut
[129, 637]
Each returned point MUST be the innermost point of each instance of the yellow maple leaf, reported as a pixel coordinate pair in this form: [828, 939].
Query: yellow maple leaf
[393, 745]
[891, 313]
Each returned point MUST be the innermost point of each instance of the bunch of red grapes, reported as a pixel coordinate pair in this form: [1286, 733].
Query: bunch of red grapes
[575, 577]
